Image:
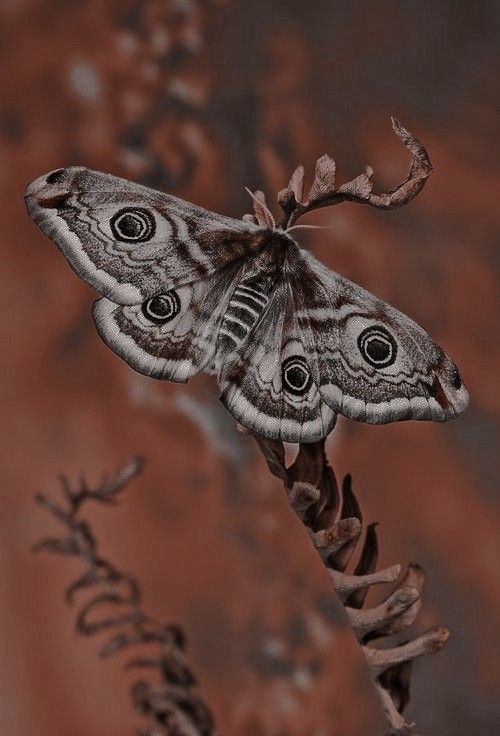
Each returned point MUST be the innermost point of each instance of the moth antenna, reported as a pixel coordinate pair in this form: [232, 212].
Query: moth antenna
[309, 227]
[263, 206]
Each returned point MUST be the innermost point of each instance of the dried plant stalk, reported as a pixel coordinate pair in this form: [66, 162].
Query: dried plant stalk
[172, 705]
[324, 193]
[333, 519]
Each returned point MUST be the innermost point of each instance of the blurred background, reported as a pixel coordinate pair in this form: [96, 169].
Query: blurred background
[201, 98]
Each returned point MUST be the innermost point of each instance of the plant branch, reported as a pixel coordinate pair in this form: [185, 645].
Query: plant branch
[333, 519]
[323, 192]
[173, 705]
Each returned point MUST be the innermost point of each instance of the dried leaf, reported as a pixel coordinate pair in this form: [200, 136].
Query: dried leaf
[396, 680]
[430, 641]
[421, 164]
[332, 541]
[324, 179]
[366, 564]
[86, 627]
[414, 578]
[286, 199]
[296, 183]
[129, 471]
[118, 643]
[262, 212]
[274, 454]
[301, 496]
[62, 546]
[46, 503]
[359, 188]
[89, 578]
[309, 463]
[396, 721]
[369, 622]
[350, 505]
[346, 584]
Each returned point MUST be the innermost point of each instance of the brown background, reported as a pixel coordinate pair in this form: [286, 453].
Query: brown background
[201, 99]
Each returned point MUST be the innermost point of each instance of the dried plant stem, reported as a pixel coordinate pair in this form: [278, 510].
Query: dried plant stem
[334, 522]
[173, 705]
[333, 519]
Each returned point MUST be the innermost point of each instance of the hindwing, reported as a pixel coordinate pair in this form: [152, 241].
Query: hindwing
[172, 335]
[268, 386]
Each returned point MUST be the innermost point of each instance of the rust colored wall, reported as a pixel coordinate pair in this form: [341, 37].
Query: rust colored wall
[201, 99]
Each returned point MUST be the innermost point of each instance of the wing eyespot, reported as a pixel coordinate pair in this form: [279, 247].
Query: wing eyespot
[162, 308]
[295, 375]
[133, 225]
[377, 346]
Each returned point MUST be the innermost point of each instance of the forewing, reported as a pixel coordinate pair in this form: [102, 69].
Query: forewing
[371, 362]
[171, 336]
[268, 387]
[130, 242]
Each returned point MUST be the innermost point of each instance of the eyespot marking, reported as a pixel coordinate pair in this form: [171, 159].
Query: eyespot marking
[377, 346]
[133, 225]
[295, 375]
[162, 308]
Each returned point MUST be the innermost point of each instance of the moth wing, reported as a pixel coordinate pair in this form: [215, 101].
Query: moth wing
[183, 341]
[371, 362]
[267, 386]
[130, 242]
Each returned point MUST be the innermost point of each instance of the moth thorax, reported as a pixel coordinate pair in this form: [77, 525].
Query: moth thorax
[271, 256]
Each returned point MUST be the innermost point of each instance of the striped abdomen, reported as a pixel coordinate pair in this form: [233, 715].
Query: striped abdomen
[247, 304]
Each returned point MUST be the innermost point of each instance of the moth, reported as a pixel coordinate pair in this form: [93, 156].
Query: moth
[293, 344]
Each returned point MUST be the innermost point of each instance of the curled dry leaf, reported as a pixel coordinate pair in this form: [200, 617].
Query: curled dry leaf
[359, 189]
[324, 194]
[173, 705]
[324, 179]
[262, 212]
[333, 519]
[296, 183]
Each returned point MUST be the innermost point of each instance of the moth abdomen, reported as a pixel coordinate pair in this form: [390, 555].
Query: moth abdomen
[247, 303]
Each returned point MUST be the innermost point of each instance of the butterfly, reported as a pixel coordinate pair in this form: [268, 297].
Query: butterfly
[293, 344]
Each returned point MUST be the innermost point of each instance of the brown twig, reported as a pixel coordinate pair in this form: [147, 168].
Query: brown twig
[323, 192]
[333, 519]
[172, 706]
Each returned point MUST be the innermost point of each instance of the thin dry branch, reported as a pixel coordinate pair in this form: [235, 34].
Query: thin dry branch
[173, 705]
[333, 520]
[323, 192]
